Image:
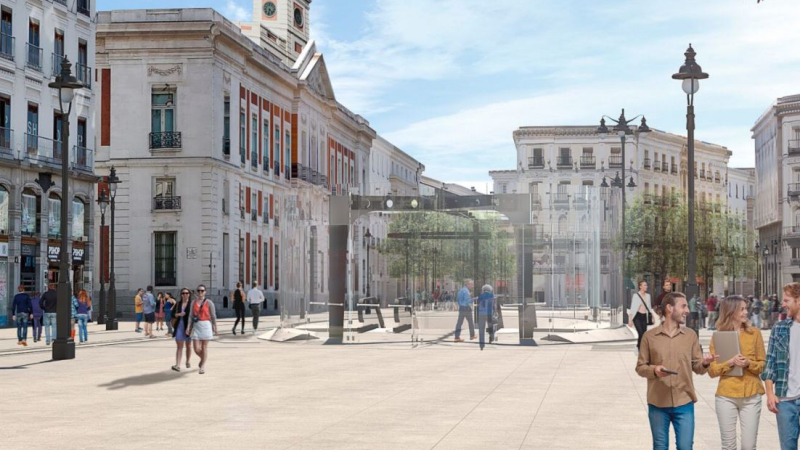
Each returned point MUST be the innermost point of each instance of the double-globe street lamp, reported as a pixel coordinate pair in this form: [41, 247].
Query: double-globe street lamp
[64, 345]
[111, 323]
[102, 201]
[623, 129]
[690, 73]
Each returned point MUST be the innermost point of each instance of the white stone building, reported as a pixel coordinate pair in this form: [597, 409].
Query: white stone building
[34, 38]
[227, 155]
[777, 211]
[741, 206]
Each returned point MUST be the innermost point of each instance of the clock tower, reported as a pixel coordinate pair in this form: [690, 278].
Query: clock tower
[287, 20]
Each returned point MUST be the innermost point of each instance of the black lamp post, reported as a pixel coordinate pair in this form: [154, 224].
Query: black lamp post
[368, 237]
[765, 271]
[757, 287]
[111, 323]
[64, 345]
[690, 73]
[775, 249]
[623, 129]
[102, 200]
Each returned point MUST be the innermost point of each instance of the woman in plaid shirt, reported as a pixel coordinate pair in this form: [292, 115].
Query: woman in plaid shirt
[782, 372]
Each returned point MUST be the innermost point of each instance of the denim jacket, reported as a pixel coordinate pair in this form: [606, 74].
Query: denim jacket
[777, 367]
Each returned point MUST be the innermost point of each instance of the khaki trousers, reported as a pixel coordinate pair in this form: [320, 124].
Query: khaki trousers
[747, 411]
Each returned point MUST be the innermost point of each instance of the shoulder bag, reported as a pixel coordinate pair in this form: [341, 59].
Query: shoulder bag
[649, 313]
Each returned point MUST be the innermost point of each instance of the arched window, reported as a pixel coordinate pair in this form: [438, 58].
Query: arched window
[78, 219]
[30, 210]
[3, 210]
[54, 216]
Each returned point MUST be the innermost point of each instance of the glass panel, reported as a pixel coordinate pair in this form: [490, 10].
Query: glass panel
[3, 210]
[155, 126]
[169, 121]
[54, 217]
[28, 214]
[78, 219]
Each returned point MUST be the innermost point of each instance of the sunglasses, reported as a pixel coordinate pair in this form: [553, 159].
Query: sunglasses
[201, 290]
[184, 293]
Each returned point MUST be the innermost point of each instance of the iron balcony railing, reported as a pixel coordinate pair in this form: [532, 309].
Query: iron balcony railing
[657, 166]
[564, 161]
[165, 139]
[254, 159]
[277, 221]
[560, 198]
[277, 170]
[674, 169]
[82, 159]
[287, 173]
[702, 174]
[588, 162]
[254, 214]
[243, 154]
[42, 150]
[84, 74]
[664, 166]
[34, 59]
[647, 198]
[7, 46]
[56, 61]
[647, 163]
[717, 178]
[226, 147]
[83, 8]
[163, 203]
[794, 147]
[308, 174]
[615, 161]
[536, 162]
[7, 141]
[793, 190]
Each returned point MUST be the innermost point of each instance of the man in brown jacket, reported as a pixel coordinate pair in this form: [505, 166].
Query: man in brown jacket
[668, 355]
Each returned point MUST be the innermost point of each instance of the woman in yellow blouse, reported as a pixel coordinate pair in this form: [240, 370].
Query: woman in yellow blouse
[739, 397]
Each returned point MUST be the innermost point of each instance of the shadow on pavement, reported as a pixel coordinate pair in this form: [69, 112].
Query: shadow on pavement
[143, 380]
[25, 366]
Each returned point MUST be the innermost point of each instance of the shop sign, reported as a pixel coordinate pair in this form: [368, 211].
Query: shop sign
[53, 252]
[77, 255]
[28, 250]
[3, 249]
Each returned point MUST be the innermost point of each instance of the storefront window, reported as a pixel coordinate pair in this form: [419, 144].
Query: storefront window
[78, 218]
[3, 210]
[54, 218]
[28, 214]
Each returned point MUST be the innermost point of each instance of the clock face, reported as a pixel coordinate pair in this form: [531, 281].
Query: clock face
[298, 17]
[269, 9]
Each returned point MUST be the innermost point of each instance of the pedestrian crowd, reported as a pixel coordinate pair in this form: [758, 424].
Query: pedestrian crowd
[670, 351]
[40, 312]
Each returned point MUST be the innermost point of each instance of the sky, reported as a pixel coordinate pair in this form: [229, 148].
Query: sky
[448, 81]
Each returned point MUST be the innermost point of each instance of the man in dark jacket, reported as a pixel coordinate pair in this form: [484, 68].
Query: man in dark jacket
[21, 312]
[48, 303]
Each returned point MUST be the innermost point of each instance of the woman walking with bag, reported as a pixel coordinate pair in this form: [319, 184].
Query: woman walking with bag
[82, 315]
[739, 397]
[641, 314]
[180, 323]
[203, 325]
[238, 307]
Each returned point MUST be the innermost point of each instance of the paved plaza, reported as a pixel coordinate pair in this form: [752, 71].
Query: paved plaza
[119, 392]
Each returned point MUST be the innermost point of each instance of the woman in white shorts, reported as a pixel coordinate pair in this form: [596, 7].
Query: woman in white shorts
[202, 325]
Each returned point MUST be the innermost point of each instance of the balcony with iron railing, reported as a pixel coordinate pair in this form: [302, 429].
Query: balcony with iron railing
[791, 235]
[674, 169]
[664, 167]
[536, 162]
[166, 203]
[647, 199]
[34, 57]
[287, 173]
[588, 162]
[646, 163]
[83, 8]
[254, 214]
[165, 140]
[82, 159]
[254, 160]
[84, 74]
[560, 199]
[657, 166]
[309, 175]
[7, 43]
[55, 63]
[226, 147]
[793, 190]
[243, 155]
[794, 262]
[7, 143]
[717, 178]
[794, 147]
[615, 161]
[564, 162]
[41, 150]
[702, 174]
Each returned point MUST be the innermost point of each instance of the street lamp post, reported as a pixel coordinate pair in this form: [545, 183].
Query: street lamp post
[690, 73]
[765, 270]
[102, 200]
[775, 286]
[64, 345]
[368, 237]
[111, 323]
[623, 129]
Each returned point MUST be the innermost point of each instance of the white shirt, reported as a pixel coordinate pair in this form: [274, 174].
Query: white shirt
[793, 388]
[638, 306]
[255, 296]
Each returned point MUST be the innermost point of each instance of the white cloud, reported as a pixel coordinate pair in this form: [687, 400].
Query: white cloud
[236, 12]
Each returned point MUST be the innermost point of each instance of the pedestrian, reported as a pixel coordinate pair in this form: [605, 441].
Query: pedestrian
[782, 371]
[711, 304]
[666, 288]
[238, 307]
[169, 302]
[739, 397]
[160, 311]
[49, 302]
[203, 326]
[692, 319]
[38, 314]
[82, 314]
[21, 313]
[465, 310]
[758, 305]
[776, 310]
[702, 311]
[137, 302]
[73, 319]
[180, 323]
[671, 350]
[486, 306]
[149, 309]
[254, 297]
[640, 315]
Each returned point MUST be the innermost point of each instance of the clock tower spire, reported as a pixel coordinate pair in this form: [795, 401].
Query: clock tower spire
[287, 22]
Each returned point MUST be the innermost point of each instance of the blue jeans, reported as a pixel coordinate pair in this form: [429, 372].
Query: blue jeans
[682, 419]
[83, 333]
[788, 423]
[22, 327]
[49, 327]
[483, 321]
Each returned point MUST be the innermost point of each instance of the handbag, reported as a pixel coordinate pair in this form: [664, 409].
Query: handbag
[649, 313]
